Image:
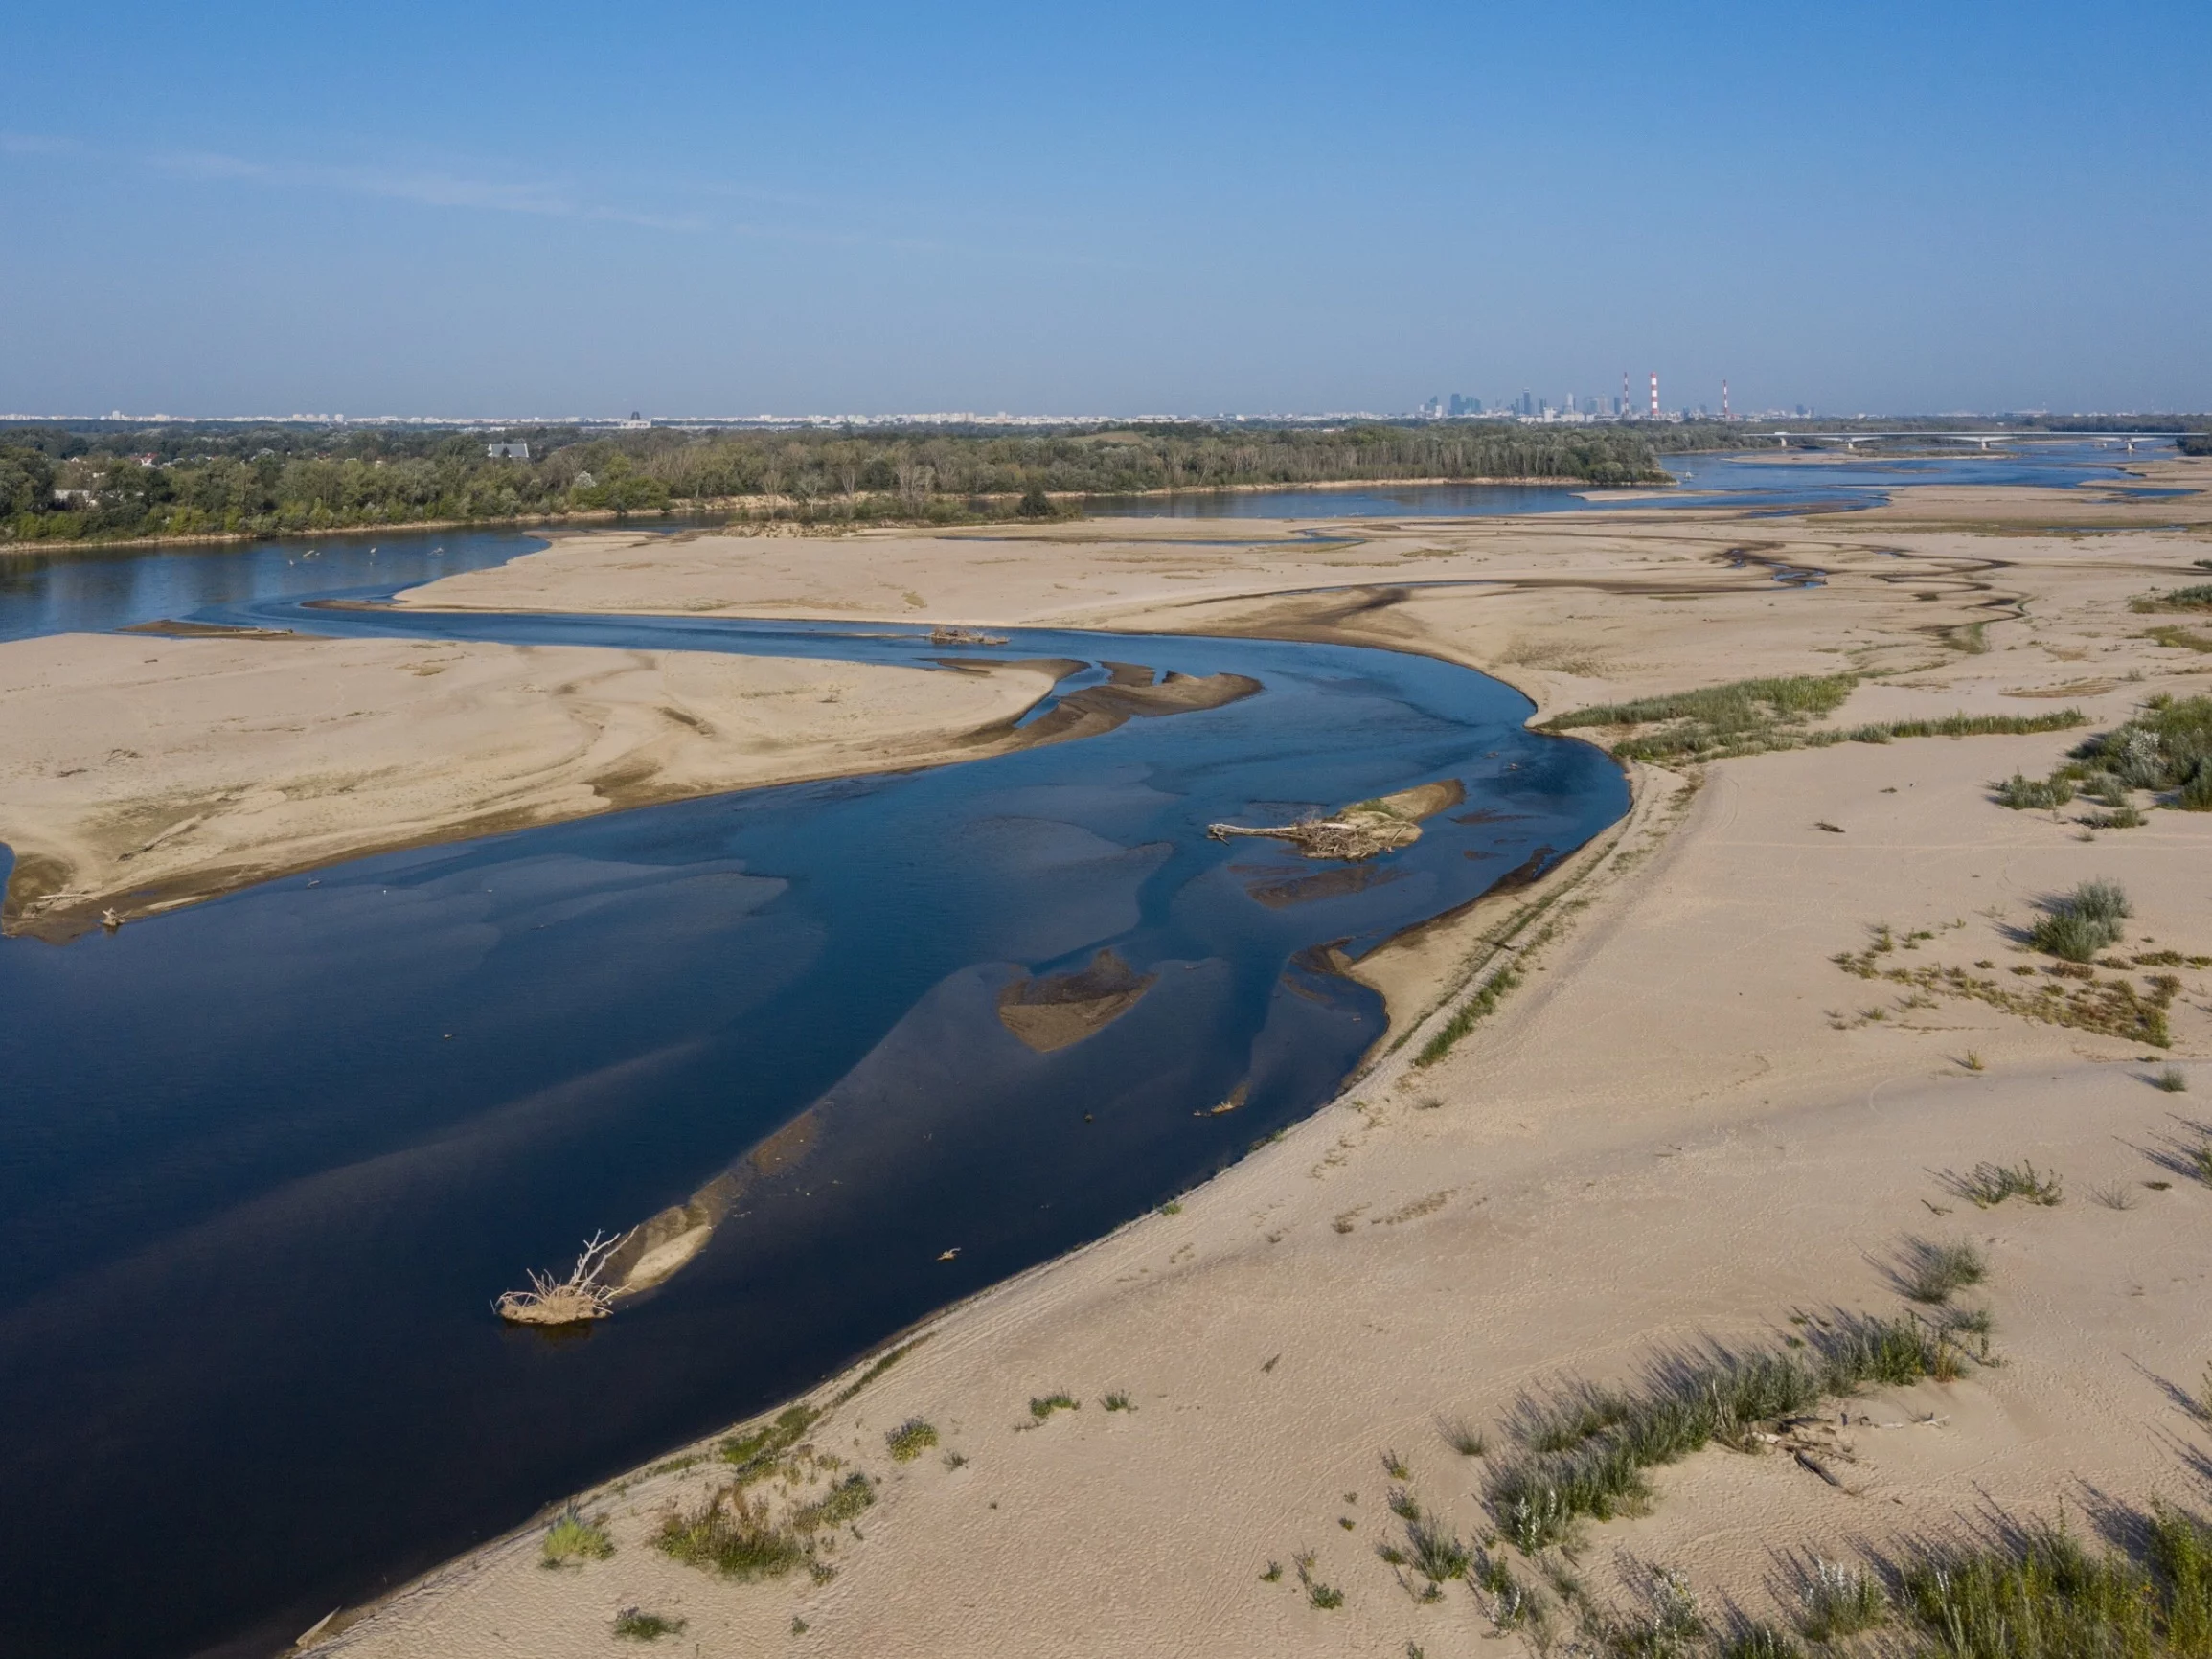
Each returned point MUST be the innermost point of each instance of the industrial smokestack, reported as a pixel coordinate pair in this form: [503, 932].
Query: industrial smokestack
[1655, 394]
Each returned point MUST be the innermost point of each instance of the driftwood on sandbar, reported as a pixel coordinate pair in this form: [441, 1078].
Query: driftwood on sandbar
[570, 1301]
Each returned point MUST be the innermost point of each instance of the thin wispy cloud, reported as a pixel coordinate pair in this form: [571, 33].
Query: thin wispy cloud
[35, 143]
[807, 220]
[429, 188]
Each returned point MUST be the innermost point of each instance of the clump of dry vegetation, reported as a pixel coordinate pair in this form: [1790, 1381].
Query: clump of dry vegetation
[2073, 995]
[570, 1301]
[1987, 1185]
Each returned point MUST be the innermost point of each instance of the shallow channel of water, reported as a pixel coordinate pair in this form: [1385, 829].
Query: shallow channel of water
[263, 1162]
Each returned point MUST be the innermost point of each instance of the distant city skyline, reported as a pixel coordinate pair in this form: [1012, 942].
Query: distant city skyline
[249, 207]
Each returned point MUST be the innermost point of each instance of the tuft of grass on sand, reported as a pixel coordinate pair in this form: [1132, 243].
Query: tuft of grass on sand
[2022, 794]
[1463, 1436]
[1987, 1185]
[1326, 1596]
[2076, 925]
[1118, 1401]
[641, 1626]
[910, 1440]
[1042, 1407]
[572, 1540]
[1759, 1641]
[1836, 1599]
[1584, 1451]
[1931, 1272]
[2171, 1079]
[2037, 1590]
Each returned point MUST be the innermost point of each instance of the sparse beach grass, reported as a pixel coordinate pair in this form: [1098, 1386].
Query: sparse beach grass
[1585, 1450]
[1986, 1185]
[910, 1440]
[637, 1626]
[1932, 1272]
[572, 1539]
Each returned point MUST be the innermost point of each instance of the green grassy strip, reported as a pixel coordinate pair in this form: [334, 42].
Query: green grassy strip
[1470, 1014]
[1737, 705]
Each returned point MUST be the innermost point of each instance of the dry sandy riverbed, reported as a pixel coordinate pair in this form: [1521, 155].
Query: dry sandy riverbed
[1687, 1125]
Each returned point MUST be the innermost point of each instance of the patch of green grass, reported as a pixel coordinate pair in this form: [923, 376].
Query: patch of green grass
[2040, 1591]
[1469, 1014]
[2196, 597]
[1326, 1596]
[572, 1540]
[1931, 1272]
[2172, 1079]
[1987, 1185]
[641, 1626]
[2023, 793]
[1759, 1641]
[910, 1440]
[755, 1453]
[2076, 925]
[1836, 1599]
[1584, 1451]
[1118, 1401]
[1463, 1436]
[739, 1536]
[2181, 639]
[1739, 718]
[2167, 746]
[1753, 716]
[1042, 1407]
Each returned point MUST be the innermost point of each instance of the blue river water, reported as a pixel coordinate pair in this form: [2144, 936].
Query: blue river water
[264, 1161]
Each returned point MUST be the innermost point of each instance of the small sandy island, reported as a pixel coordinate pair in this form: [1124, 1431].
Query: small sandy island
[1773, 1081]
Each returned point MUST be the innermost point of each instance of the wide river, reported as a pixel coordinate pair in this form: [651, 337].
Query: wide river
[265, 1162]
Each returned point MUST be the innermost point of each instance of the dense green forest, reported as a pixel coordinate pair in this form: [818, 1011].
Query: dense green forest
[63, 484]
[112, 481]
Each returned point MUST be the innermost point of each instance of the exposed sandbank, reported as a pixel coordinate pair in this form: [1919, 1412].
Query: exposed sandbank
[137, 773]
[1686, 1125]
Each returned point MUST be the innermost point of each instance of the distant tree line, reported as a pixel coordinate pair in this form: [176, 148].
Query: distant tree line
[110, 481]
[174, 480]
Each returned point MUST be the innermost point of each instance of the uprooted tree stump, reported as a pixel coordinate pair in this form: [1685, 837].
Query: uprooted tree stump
[1350, 837]
[1363, 830]
[570, 1301]
[951, 634]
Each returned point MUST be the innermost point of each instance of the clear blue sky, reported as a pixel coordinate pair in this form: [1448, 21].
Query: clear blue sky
[727, 208]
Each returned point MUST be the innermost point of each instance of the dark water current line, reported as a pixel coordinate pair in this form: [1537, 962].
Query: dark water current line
[264, 1161]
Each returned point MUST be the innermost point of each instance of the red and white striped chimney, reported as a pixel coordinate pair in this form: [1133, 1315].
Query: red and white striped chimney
[1655, 394]
[1725, 415]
